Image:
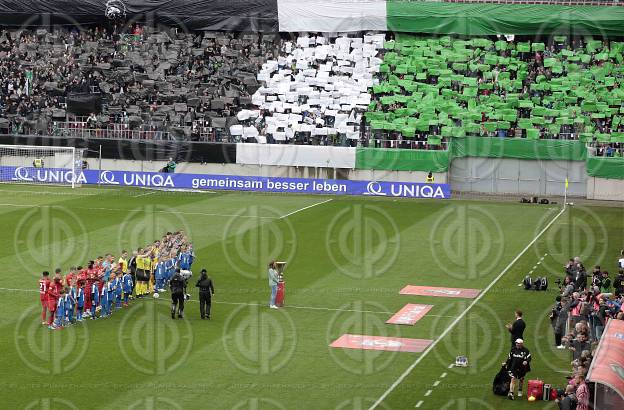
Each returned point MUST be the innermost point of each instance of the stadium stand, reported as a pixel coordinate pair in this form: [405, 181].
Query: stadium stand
[317, 89]
[436, 88]
[151, 82]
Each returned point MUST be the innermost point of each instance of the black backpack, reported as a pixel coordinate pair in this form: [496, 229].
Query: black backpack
[543, 285]
[528, 282]
[500, 385]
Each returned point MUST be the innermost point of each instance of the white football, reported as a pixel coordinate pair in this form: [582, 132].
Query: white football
[156, 295]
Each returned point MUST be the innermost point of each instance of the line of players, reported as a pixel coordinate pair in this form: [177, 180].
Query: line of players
[105, 286]
[82, 293]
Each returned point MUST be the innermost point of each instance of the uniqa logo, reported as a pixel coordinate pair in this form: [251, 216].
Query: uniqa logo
[107, 177]
[148, 180]
[417, 191]
[374, 188]
[48, 175]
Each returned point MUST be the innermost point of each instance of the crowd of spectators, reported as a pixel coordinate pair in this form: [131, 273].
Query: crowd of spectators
[164, 83]
[148, 79]
[564, 88]
[585, 303]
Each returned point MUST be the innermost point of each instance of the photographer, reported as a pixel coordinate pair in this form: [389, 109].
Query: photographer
[178, 291]
[558, 323]
[618, 282]
[567, 401]
[170, 167]
[206, 291]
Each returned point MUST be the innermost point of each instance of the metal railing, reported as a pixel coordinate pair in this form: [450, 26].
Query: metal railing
[77, 129]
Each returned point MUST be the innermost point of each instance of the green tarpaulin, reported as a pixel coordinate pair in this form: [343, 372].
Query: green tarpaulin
[438, 161]
[605, 167]
[402, 159]
[492, 19]
[519, 148]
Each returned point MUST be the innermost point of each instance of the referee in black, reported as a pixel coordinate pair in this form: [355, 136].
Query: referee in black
[206, 291]
[178, 290]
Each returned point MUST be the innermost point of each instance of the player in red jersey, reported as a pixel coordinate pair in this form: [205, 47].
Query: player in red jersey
[81, 274]
[44, 285]
[54, 292]
[69, 278]
[57, 280]
[89, 274]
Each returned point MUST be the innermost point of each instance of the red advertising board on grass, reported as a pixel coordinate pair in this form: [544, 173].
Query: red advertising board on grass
[394, 344]
[441, 292]
[409, 314]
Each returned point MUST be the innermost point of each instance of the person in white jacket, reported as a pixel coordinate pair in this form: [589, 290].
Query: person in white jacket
[273, 281]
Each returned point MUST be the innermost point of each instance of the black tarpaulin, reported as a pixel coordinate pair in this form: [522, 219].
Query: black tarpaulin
[84, 104]
[228, 15]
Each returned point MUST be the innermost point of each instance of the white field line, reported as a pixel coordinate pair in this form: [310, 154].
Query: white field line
[419, 404]
[304, 208]
[144, 194]
[463, 314]
[257, 304]
[134, 210]
[47, 192]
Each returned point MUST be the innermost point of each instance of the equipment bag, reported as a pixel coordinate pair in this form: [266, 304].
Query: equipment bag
[547, 390]
[500, 385]
[535, 389]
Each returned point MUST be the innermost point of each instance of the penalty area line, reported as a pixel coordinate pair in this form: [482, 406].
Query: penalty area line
[305, 207]
[462, 315]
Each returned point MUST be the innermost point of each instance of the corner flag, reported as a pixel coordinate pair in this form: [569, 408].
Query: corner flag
[566, 186]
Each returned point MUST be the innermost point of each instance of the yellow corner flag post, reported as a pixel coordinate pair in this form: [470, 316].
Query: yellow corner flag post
[565, 195]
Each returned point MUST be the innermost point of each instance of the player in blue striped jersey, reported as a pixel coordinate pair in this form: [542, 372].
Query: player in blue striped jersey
[80, 298]
[127, 284]
[95, 299]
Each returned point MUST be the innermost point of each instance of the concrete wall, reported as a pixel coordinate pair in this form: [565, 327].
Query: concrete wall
[518, 177]
[605, 189]
[271, 170]
[481, 175]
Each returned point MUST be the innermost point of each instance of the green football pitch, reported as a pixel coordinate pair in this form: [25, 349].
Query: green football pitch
[347, 259]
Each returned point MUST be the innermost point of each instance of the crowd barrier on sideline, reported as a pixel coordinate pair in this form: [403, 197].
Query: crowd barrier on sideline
[225, 182]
